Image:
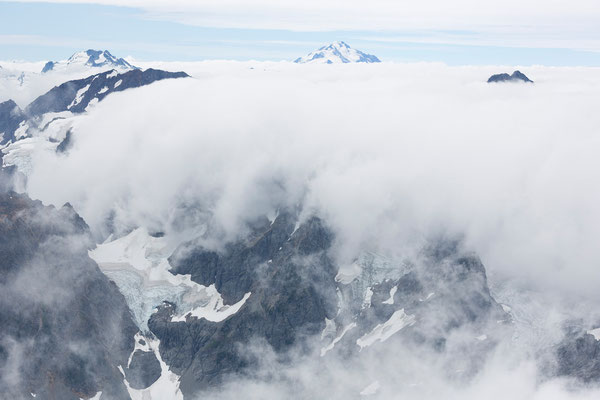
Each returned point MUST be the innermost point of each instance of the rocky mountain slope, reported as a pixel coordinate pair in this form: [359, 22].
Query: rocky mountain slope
[65, 327]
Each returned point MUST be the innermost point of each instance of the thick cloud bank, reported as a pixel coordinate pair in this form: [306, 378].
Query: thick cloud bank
[389, 153]
[389, 156]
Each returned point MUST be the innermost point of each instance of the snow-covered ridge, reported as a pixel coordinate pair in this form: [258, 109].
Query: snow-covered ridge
[89, 58]
[337, 53]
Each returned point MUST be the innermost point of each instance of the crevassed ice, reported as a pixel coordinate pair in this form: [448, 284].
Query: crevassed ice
[138, 264]
[19, 153]
[368, 270]
[54, 127]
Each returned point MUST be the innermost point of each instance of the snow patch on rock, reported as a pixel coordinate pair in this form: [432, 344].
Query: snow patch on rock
[370, 390]
[165, 387]
[595, 333]
[324, 350]
[382, 332]
[79, 96]
[392, 293]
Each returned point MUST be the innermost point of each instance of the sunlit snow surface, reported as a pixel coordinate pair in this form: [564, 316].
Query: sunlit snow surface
[595, 333]
[383, 332]
[336, 53]
[79, 96]
[138, 264]
[371, 389]
[368, 270]
[392, 293]
[20, 153]
[324, 350]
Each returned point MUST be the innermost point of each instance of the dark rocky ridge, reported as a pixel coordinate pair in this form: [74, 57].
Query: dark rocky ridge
[516, 76]
[64, 327]
[578, 356]
[62, 98]
[292, 281]
[291, 277]
[445, 291]
[143, 370]
[11, 117]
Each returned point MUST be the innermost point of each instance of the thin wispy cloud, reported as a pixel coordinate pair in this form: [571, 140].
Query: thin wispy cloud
[379, 15]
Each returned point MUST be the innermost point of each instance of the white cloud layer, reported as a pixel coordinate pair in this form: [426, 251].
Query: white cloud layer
[389, 153]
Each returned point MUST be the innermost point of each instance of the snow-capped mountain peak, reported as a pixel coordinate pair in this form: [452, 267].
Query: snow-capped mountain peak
[336, 53]
[90, 58]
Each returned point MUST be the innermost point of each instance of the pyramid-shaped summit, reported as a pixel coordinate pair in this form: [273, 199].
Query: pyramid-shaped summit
[90, 58]
[337, 53]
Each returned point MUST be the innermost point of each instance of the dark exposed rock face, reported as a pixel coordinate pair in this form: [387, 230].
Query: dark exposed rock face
[66, 143]
[516, 76]
[143, 370]
[11, 117]
[291, 279]
[579, 356]
[61, 98]
[49, 66]
[64, 327]
[293, 291]
[442, 292]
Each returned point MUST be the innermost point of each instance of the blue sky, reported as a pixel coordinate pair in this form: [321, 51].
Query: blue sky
[41, 31]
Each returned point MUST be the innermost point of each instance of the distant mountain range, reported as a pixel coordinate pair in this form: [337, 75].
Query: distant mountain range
[89, 58]
[337, 53]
